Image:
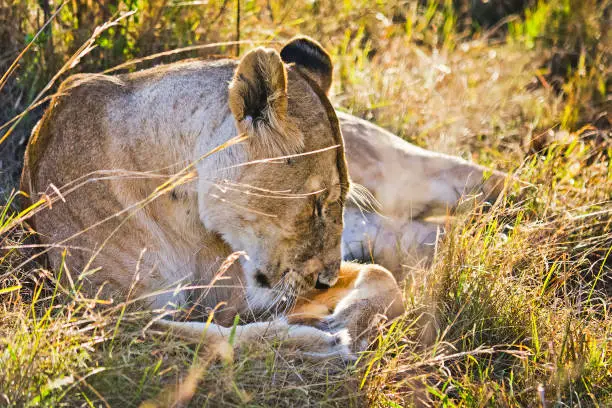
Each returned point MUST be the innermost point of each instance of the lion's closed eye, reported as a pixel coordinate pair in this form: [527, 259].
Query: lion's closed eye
[318, 207]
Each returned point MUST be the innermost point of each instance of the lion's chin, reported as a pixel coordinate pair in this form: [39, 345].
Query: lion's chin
[269, 303]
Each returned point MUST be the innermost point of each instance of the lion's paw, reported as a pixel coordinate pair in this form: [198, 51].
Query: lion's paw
[316, 343]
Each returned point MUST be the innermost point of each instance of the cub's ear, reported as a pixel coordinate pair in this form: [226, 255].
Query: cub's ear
[311, 59]
[258, 101]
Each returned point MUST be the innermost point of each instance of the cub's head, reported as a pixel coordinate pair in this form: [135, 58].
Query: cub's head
[285, 208]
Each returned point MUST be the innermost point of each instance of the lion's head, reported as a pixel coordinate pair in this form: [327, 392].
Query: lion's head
[286, 213]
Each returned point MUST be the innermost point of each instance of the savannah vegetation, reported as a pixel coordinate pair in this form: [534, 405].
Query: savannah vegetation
[514, 309]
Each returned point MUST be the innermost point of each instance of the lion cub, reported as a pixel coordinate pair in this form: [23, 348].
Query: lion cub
[362, 297]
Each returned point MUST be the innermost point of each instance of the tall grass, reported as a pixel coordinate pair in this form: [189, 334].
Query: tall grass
[514, 310]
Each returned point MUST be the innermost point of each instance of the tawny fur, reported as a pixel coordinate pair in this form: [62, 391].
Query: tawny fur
[363, 296]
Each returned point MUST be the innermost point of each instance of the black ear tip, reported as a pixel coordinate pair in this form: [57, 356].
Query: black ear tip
[303, 44]
[308, 53]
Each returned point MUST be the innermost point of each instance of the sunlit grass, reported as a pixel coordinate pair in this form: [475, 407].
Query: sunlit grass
[514, 310]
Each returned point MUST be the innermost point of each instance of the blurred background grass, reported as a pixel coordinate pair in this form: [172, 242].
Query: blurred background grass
[439, 73]
[515, 309]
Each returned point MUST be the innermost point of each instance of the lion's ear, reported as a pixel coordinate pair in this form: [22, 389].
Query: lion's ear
[311, 58]
[258, 101]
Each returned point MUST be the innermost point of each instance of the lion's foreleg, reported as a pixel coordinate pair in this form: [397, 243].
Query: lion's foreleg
[307, 340]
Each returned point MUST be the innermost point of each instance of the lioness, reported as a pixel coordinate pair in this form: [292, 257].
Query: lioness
[125, 135]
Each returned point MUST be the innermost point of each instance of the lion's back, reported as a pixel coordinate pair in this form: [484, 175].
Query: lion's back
[97, 133]
[93, 117]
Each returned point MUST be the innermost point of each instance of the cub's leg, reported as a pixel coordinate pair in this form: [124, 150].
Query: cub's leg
[363, 295]
[308, 341]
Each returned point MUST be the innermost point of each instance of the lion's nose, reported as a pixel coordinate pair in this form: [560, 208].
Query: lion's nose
[321, 285]
[328, 276]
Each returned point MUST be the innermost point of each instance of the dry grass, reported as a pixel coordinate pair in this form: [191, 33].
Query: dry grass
[515, 308]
